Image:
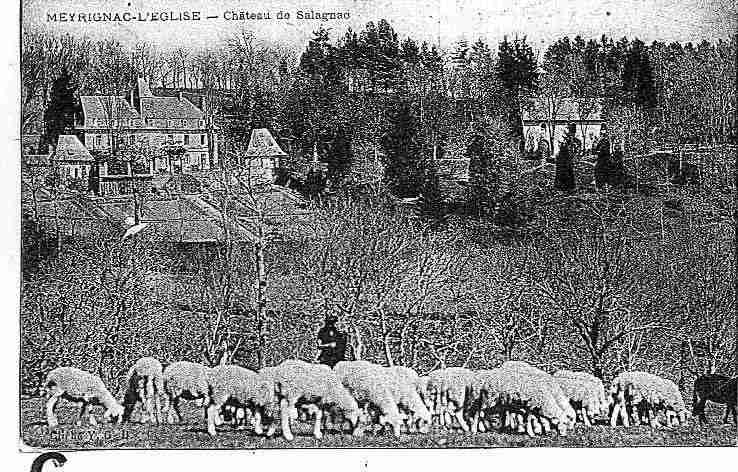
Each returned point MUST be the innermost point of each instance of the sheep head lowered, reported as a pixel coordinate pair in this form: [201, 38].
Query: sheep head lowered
[114, 413]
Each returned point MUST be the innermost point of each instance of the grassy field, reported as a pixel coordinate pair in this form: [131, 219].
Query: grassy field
[192, 435]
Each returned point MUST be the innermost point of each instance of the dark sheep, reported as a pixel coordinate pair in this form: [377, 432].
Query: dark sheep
[716, 388]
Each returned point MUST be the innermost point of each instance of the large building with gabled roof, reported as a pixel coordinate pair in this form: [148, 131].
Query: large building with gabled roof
[149, 122]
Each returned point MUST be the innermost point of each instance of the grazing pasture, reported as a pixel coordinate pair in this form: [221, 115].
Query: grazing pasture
[192, 434]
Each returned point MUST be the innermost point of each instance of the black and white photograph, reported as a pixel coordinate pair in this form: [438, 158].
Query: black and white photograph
[357, 224]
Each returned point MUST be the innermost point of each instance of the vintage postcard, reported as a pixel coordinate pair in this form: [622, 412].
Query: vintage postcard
[376, 224]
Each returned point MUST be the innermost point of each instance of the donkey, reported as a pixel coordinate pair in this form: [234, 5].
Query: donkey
[717, 388]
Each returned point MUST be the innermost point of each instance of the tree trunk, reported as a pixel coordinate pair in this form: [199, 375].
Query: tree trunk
[597, 369]
[261, 298]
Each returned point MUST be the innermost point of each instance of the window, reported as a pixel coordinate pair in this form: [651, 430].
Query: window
[98, 140]
[170, 138]
[132, 139]
[169, 123]
[76, 173]
[202, 139]
[184, 123]
[202, 123]
[187, 139]
[84, 171]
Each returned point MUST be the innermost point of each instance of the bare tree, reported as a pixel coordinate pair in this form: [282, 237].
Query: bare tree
[597, 281]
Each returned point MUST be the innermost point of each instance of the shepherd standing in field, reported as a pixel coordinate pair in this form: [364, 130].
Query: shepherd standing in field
[331, 342]
[565, 160]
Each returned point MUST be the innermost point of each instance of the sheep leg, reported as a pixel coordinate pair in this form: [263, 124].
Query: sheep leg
[585, 418]
[50, 406]
[241, 418]
[459, 415]
[545, 425]
[212, 414]
[529, 426]
[482, 426]
[82, 413]
[623, 410]
[521, 422]
[271, 429]
[149, 400]
[256, 421]
[174, 415]
[474, 426]
[653, 421]
[157, 408]
[615, 415]
[318, 422]
[285, 409]
[537, 429]
[442, 409]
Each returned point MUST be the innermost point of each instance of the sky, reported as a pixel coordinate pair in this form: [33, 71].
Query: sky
[444, 21]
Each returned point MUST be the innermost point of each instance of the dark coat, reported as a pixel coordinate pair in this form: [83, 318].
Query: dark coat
[332, 355]
[565, 164]
[604, 165]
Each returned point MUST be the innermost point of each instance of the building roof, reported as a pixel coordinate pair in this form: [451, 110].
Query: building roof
[567, 109]
[37, 160]
[170, 108]
[70, 148]
[107, 107]
[262, 144]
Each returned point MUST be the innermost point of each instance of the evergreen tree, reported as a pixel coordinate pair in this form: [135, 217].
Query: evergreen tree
[638, 79]
[516, 65]
[516, 70]
[431, 207]
[339, 155]
[59, 116]
[402, 152]
[483, 178]
[409, 51]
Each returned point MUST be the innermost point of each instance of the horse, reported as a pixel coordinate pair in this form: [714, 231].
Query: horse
[717, 388]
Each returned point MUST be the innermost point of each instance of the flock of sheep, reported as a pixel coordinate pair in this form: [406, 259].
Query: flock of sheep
[515, 397]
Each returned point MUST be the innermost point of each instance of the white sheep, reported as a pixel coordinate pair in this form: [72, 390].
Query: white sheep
[558, 394]
[409, 392]
[485, 398]
[534, 394]
[523, 398]
[185, 380]
[586, 393]
[449, 390]
[79, 386]
[145, 384]
[245, 389]
[638, 396]
[313, 387]
[370, 385]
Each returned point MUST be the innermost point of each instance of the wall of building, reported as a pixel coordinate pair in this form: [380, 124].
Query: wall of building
[587, 132]
[195, 142]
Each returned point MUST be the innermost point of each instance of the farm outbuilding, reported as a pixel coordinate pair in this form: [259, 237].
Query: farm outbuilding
[547, 117]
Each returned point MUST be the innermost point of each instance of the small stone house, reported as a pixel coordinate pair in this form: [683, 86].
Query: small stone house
[72, 158]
